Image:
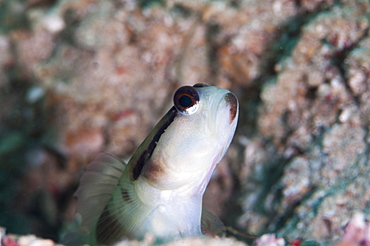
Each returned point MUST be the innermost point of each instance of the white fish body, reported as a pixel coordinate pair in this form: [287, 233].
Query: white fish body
[160, 190]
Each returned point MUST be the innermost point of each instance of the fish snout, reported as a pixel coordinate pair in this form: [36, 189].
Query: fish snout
[232, 102]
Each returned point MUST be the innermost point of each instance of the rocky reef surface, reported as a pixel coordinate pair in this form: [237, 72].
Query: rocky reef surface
[81, 77]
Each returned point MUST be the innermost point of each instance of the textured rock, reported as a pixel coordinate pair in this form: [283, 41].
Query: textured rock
[80, 77]
[313, 114]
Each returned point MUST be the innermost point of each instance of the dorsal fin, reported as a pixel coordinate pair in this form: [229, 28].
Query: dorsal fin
[96, 188]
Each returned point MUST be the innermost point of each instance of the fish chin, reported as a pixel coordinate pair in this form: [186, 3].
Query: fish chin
[203, 185]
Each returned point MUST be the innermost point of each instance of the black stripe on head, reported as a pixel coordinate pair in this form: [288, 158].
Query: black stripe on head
[153, 139]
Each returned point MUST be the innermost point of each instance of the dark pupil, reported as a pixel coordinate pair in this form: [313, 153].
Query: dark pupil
[185, 101]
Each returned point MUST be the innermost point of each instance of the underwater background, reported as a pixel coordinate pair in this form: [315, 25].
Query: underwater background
[79, 77]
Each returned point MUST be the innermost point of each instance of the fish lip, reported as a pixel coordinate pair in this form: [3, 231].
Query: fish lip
[232, 101]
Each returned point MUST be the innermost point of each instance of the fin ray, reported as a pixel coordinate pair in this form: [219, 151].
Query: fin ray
[96, 187]
[123, 217]
[109, 207]
[110, 229]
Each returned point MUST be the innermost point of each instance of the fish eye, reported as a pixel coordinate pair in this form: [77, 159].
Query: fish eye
[186, 100]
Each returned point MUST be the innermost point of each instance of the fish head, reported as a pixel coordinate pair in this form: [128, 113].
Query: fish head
[204, 122]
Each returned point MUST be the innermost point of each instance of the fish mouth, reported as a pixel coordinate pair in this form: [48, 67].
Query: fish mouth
[232, 102]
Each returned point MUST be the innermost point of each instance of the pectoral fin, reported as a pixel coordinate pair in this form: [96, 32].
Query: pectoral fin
[211, 224]
[121, 218]
[96, 188]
